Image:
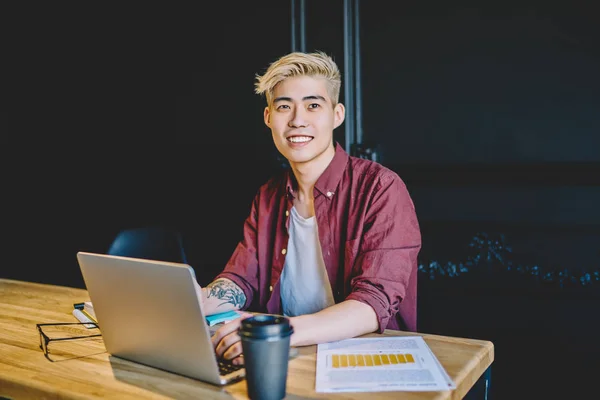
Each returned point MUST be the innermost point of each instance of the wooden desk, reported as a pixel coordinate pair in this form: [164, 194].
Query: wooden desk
[26, 373]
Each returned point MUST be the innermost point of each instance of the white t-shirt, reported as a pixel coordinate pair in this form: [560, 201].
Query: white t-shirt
[305, 287]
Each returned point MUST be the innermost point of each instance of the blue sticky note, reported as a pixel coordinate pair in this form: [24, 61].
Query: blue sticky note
[222, 317]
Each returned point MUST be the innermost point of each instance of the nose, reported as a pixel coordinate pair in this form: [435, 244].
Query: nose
[298, 118]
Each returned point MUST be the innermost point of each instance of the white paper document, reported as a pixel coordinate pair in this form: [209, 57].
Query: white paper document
[378, 364]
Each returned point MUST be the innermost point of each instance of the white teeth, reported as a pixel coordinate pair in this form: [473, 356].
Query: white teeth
[299, 139]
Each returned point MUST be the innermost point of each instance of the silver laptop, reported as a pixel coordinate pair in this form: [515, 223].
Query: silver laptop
[149, 312]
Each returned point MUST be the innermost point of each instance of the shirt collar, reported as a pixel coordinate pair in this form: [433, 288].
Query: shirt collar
[330, 178]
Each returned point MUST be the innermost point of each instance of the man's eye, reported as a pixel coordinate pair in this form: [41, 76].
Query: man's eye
[283, 107]
[314, 105]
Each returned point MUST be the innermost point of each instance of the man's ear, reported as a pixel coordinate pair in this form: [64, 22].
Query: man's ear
[267, 117]
[339, 114]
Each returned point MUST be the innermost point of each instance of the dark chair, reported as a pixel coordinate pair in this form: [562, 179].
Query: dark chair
[152, 243]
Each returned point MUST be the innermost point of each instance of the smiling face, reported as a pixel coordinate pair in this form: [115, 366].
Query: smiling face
[302, 118]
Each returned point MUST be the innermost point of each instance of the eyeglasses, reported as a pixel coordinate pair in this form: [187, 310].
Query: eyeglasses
[61, 332]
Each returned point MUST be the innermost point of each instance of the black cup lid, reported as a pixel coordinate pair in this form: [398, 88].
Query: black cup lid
[265, 325]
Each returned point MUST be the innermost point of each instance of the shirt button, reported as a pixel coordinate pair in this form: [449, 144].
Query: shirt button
[329, 194]
[287, 213]
[270, 288]
[283, 251]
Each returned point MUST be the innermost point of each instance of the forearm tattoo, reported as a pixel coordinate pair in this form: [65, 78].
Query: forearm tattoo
[227, 291]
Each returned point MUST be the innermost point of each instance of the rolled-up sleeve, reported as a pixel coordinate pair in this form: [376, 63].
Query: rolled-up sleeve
[242, 267]
[386, 256]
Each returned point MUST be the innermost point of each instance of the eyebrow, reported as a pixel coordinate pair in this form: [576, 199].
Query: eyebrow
[314, 97]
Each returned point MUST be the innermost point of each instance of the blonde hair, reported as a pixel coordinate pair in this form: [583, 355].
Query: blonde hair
[295, 64]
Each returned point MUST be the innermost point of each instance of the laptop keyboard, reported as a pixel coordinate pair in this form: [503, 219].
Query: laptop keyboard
[226, 367]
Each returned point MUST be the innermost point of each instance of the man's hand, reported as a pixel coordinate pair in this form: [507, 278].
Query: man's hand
[227, 342]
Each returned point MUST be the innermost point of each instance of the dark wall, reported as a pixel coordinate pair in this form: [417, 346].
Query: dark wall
[133, 116]
[4, 125]
[496, 83]
[67, 202]
[142, 115]
[490, 114]
[130, 116]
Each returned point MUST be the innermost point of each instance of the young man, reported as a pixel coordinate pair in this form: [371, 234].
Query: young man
[333, 241]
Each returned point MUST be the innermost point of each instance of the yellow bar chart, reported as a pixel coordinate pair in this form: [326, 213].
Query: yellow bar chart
[370, 360]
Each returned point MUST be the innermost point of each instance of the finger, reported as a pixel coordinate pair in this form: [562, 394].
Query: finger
[233, 351]
[226, 343]
[244, 315]
[223, 331]
[239, 360]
